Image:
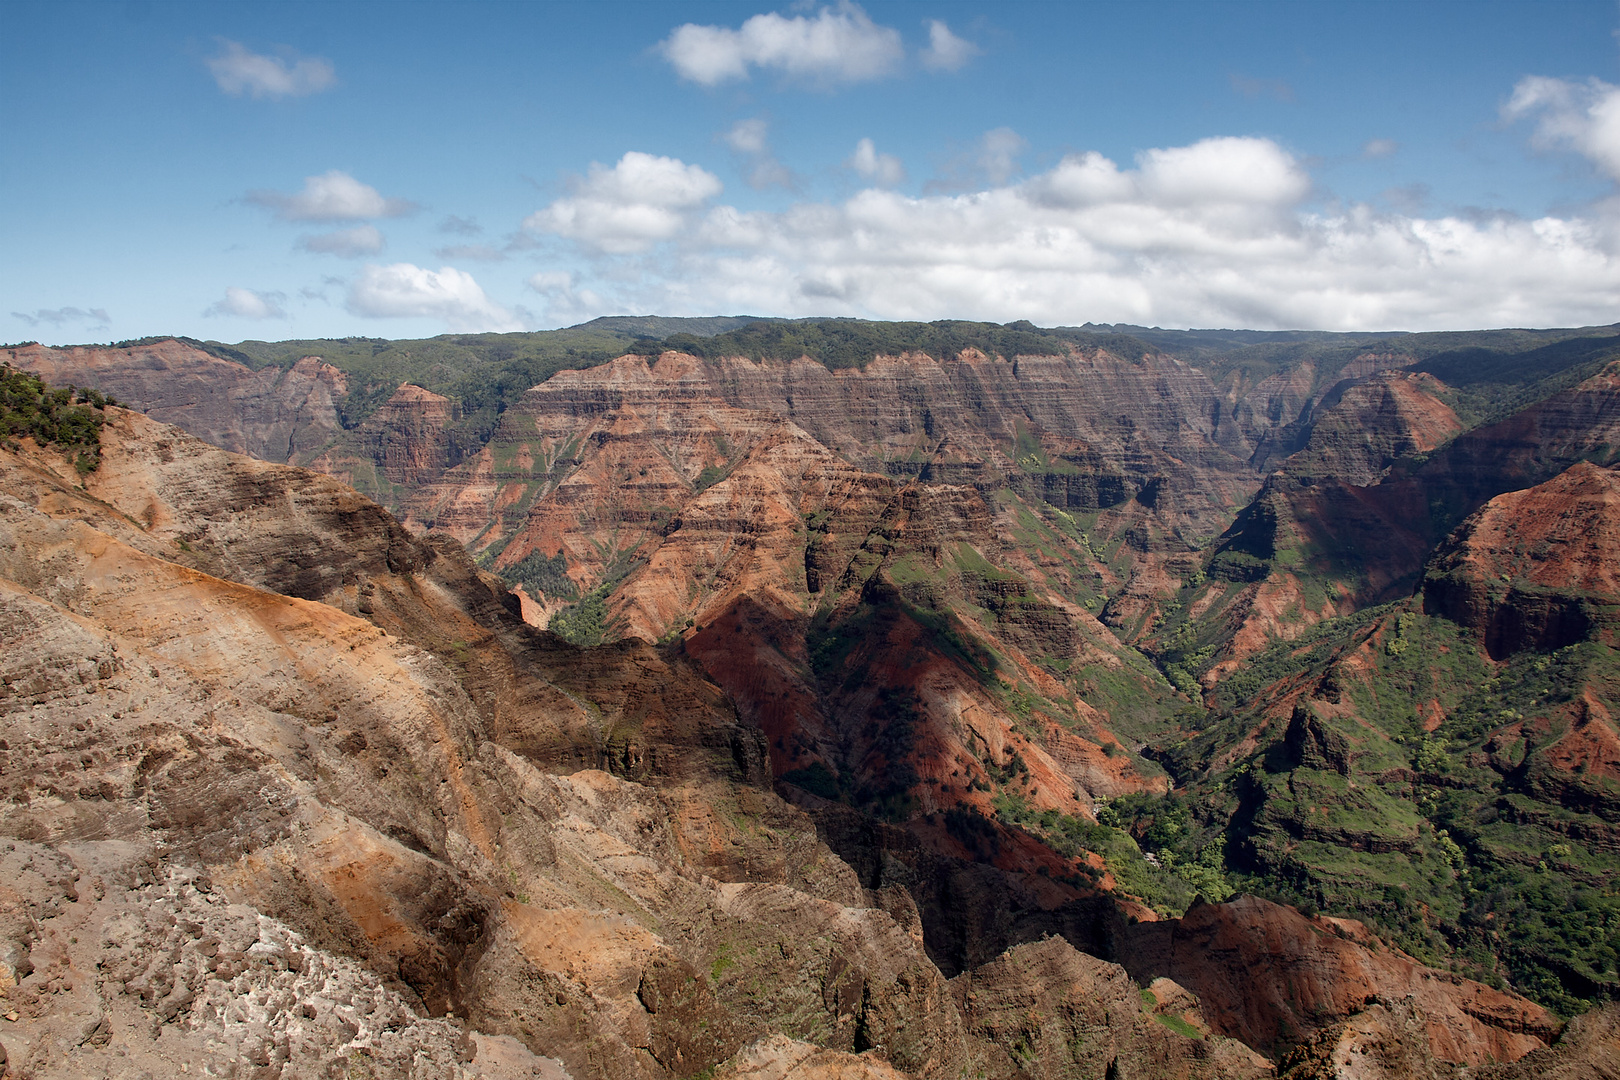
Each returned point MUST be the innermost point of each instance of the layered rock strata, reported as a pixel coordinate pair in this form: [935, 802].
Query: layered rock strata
[274, 414]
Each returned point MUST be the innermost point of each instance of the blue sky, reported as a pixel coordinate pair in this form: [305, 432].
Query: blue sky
[298, 170]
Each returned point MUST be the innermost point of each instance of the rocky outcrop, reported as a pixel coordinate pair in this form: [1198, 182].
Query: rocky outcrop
[1380, 1042]
[1047, 1010]
[1589, 1049]
[781, 1058]
[142, 966]
[407, 442]
[1536, 569]
[1367, 425]
[1388, 1042]
[1269, 976]
[274, 414]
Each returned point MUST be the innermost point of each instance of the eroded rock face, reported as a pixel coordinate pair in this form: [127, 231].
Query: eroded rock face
[1380, 1042]
[272, 414]
[1271, 977]
[1047, 1010]
[1389, 1042]
[405, 442]
[1368, 425]
[1589, 1049]
[1538, 568]
[147, 968]
[781, 1058]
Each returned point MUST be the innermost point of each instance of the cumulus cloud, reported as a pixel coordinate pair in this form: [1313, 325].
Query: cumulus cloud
[1579, 116]
[1223, 171]
[1408, 198]
[91, 317]
[642, 200]
[332, 196]
[838, 44]
[238, 72]
[767, 172]
[945, 51]
[1217, 233]
[248, 304]
[346, 243]
[1379, 148]
[405, 291]
[884, 170]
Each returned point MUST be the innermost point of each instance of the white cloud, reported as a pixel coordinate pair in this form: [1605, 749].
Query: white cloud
[404, 291]
[1379, 148]
[92, 317]
[839, 44]
[239, 72]
[1218, 233]
[345, 243]
[1081, 180]
[1584, 117]
[1223, 171]
[247, 304]
[642, 200]
[884, 170]
[946, 51]
[747, 136]
[564, 302]
[332, 196]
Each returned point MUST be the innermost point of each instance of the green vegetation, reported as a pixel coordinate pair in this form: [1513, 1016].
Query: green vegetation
[1178, 1025]
[1505, 358]
[815, 778]
[1417, 788]
[1490, 381]
[1154, 848]
[585, 623]
[483, 373]
[844, 343]
[710, 476]
[542, 575]
[67, 418]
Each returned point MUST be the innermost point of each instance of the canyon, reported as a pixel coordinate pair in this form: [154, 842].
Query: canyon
[1055, 704]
